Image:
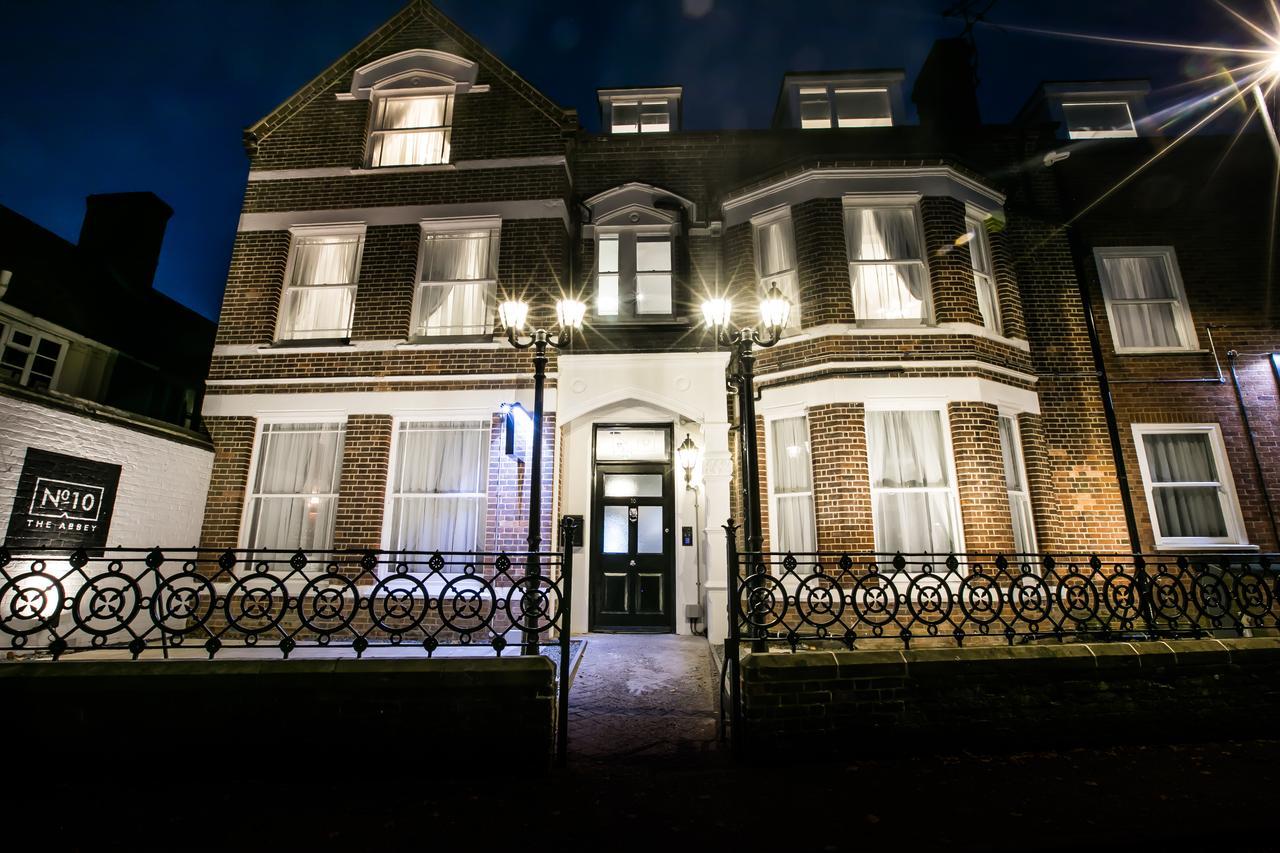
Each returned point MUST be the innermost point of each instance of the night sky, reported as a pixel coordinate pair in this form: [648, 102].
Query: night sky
[132, 95]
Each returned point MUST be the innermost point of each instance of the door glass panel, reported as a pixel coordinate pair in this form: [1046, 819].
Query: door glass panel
[626, 445]
[633, 485]
[649, 530]
[615, 592]
[615, 530]
[649, 593]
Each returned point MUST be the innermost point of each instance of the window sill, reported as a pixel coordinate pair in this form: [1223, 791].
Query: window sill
[308, 343]
[1216, 546]
[425, 167]
[1151, 352]
[636, 322]
[428, 342]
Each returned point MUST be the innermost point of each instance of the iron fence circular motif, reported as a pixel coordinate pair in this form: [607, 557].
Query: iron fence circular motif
[1078, 599]
[467, 604]
[1211, 595]
[533, 604]
[107, 603]
[187, 599]
[1122, 597]
[1253, 596]
[254, 604]
[980, 598]
[1168, 598]
[930, 600]
[1030, 600]
[819, 601]
[399, 603]
[32, 596]
[876, 601]
[328, 603]
[765, 600]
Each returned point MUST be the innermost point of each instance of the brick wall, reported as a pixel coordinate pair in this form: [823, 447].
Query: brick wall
[233, 448]
[252, 295]
[841, 481]
[362, 489]
[822, 262]
[980, 482]
[955, 297]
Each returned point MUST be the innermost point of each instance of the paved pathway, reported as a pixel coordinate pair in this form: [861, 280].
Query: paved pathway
[641, 697]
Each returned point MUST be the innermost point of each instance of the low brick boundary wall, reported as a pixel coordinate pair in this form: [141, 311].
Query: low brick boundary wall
[997, 698]
[358, 719]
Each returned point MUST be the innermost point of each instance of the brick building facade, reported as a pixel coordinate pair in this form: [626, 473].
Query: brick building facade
[937, 389]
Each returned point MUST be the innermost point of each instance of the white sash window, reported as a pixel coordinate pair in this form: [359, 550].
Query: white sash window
[776, 261]
[913, 496]
[410, 130]
[886, 262]
[983, 280]
[633, 275]
[295, 487]
[791, 512]
[458, 281]
[1145, 300]
[1189, 490]
[320, 295]
[28, 357]
[438, 485]
[1015, 482]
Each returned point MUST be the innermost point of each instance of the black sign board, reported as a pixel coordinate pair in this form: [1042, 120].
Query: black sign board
[62, 502]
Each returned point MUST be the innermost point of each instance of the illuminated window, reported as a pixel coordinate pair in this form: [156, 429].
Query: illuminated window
[886, 262]
[1015, 481]
[438, 486]
[1146, 304]
[980, 254]
[853, 107]
[319, 297]
[1101, 120]
[633, 275]
[776, 260]
[295, 487]
[914, 504]
[641, 117]
[791, 512]
[410, 130]
[28, 357]
[1190, 495]
[457, 283]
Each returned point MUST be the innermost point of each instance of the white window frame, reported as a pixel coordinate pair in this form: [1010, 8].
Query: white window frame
[255, 456]
[376, 105]
[1099, 134]
[644, 106]
[1181, 315]
[771, 455]
[628, 275]
[436, 416]
[786, 277]
[9, 326]
[914, 405]
[1236, 537]
[457, 226]
[1022, 495]
[833, 119]
[903, 200]
[300, 233]
[980, 241]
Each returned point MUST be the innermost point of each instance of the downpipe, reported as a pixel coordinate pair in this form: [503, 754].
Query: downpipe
[1232, 356]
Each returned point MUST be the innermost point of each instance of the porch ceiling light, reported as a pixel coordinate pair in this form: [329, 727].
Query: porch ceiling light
[717, 313]
[513, 313]
[775, 310]
[570, 312]
[687, 455]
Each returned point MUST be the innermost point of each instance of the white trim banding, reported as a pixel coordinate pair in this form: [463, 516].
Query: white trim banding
[338, 380]
[547, 208]
[441, 404]
[910, 392]
[900, 364]
[459, 166]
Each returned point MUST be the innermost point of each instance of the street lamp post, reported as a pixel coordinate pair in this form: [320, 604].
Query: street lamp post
[513, 314]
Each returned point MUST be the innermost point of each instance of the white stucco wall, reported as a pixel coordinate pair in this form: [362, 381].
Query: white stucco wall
[163, 481]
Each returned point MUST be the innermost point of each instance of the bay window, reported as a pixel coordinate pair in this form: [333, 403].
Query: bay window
[776, 260]
[320, 288]
[913, 496]
[886, 262]
[457, 283]
[1188, 484]
[438, 482]
[633, 275]
[984, 282]
[1146, 304]
[1015, 482]
[791, 511]
[294, 491]
[410, 130]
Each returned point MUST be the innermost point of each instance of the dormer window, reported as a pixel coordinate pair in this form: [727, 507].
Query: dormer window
[640, 110]
[852, 107]
[1100, 120]
[410, 130]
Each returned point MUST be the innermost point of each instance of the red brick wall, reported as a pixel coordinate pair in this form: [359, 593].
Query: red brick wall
[955, 297]
[980, 483]
[254, 283]
[362, 489]
[841, 481]
[507, 506]
[233, 446]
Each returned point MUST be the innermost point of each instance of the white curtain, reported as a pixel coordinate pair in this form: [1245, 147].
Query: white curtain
[653, 275]
[427, 111]
[1144, 301]
[792, 483]
[439, 486]
[884, 291]
[980, 253]
[319, 299]
[776, 244]
[447, 304]
[1185, 510]
[1015, 484]
[296, 485]
[914, 502]
[325, 260]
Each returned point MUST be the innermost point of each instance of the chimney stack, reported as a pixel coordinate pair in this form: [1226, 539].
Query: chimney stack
[945, 93]
[124, 231]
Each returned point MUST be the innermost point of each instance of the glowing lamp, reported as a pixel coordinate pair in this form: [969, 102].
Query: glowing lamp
[775, 309]
[570, 313]
[716, 312]
[687, 455]
[513, 313]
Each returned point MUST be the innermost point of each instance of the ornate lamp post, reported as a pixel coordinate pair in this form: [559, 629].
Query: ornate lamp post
[775, 309]
[687, 455]
[513, 314]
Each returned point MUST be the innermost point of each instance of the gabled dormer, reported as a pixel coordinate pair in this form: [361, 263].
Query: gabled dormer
[655, 110]
[840, 99]
[1100, 109]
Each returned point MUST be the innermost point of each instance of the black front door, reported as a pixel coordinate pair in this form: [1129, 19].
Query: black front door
[632, 570]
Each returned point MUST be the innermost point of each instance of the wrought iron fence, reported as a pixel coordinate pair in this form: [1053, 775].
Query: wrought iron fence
[166, 601]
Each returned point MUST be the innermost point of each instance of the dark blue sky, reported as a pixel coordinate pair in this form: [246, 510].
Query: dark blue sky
[150, 95]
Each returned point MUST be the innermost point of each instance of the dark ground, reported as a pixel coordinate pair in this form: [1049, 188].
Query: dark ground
[647, 772]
